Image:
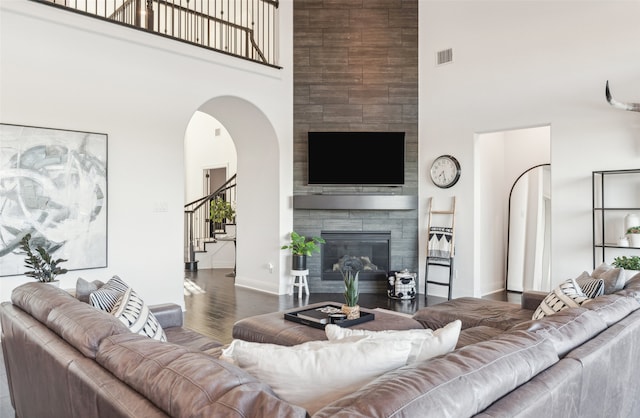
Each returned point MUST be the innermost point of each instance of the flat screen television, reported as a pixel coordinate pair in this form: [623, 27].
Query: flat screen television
[356, 158]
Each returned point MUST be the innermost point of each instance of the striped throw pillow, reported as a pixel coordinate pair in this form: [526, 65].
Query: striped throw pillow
[567, 295]
[591, 287]
[106, 297]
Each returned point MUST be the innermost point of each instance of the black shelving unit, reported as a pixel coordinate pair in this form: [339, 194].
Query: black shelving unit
[600, 209]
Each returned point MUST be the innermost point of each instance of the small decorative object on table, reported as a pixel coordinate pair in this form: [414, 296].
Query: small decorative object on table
[351, 295]
[319, 317]
[45, 268]
[402, 285]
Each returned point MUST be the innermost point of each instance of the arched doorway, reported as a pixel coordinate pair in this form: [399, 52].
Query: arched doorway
[259, 212]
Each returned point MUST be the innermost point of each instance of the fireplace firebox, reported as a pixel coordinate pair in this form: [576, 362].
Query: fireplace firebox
[363, 251]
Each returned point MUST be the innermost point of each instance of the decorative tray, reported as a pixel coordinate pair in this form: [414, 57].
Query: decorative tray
[328, 314]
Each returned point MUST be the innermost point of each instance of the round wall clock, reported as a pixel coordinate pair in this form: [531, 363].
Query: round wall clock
[445, 171]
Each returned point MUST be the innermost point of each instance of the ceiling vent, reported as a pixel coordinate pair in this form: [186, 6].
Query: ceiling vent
[444, 57]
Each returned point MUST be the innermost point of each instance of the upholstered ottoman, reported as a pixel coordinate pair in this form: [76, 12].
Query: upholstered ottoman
[273, 328]
[473, 312]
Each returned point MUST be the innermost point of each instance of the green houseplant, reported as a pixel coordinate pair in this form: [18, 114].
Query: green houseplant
[44, 267]
[627, 263]
[351, 294]
[221, 210]
[301, 248]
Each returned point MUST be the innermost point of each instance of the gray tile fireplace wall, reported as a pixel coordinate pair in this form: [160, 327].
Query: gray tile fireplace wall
[356, 69]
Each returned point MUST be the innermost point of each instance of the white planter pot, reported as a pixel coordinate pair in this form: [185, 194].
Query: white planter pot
[634, 240]
[630, 221]
[628, 274]
[55, 283]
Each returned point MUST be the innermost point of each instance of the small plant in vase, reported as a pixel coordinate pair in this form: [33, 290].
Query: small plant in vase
[220, 210]
[351, 294]
[634, 236]
[44, 267]
[301, 248]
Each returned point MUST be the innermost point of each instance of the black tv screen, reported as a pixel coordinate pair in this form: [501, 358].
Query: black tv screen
[356, 158]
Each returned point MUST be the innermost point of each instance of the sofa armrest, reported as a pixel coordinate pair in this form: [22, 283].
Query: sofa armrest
[532, 298]
[168, 314]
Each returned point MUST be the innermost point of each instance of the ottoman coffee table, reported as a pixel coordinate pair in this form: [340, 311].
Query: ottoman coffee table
[273, 328]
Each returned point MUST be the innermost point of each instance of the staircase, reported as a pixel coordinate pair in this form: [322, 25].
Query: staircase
[199, 225]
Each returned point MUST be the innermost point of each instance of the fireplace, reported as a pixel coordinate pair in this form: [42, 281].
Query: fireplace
[366, 252]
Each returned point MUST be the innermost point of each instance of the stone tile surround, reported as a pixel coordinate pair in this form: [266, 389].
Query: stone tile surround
[356, 69]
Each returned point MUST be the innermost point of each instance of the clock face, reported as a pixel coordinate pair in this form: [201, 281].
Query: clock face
[445, 171]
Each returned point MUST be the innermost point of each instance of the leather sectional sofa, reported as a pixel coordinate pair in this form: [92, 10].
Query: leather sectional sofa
[64, 358]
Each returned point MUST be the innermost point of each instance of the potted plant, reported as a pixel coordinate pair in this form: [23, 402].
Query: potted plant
[44, 267]
[634, 236]
[301, 248]
[631, 265]
[351, 294]
[221, 211]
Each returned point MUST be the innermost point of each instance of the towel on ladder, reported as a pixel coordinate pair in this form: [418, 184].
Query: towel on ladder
[439, 247]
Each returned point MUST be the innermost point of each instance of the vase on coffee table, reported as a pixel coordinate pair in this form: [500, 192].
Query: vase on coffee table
[352, 312]
[350, 307]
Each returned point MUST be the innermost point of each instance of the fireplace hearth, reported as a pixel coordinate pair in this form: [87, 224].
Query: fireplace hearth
[363, 251]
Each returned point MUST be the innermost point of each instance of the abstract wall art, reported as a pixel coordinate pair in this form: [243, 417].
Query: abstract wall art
[53, 185]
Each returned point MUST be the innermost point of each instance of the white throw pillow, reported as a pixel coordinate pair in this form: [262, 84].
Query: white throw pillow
[131, 310]
[316, 373]
[425, 343]
[567, 295]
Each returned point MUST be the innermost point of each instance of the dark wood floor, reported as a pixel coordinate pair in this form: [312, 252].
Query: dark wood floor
[213, 303]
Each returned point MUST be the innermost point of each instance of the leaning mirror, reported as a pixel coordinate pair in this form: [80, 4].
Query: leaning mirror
[529, 230]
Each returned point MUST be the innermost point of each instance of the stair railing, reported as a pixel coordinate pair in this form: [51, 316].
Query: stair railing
[199, 227]
[242, 28]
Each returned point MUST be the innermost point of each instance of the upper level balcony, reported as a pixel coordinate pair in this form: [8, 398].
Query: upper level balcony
[246, 29]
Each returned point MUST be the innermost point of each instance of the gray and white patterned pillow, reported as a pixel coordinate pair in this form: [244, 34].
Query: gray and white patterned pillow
[106, 297]
[131, 310]
[591, 287]
[567, 295]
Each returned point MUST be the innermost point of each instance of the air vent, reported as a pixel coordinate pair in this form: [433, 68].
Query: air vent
[444, 57]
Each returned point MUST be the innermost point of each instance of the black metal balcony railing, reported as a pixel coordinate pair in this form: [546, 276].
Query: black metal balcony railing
[243, 28]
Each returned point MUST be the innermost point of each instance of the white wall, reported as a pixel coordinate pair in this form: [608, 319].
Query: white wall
[62, 70]
[529, 63]
[500, 158]
[489, 222]
[204, 149]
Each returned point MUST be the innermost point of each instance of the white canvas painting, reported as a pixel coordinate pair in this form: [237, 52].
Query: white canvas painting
[53, 185]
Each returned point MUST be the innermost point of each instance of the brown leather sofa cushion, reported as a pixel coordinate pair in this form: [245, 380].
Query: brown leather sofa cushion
[84, 326]
[631, 288]
[612, 308]
[566, 329]
[186, 383]
[39, 299]
[482, 372]
[477, 334]
[609, 361]
[473, 312]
